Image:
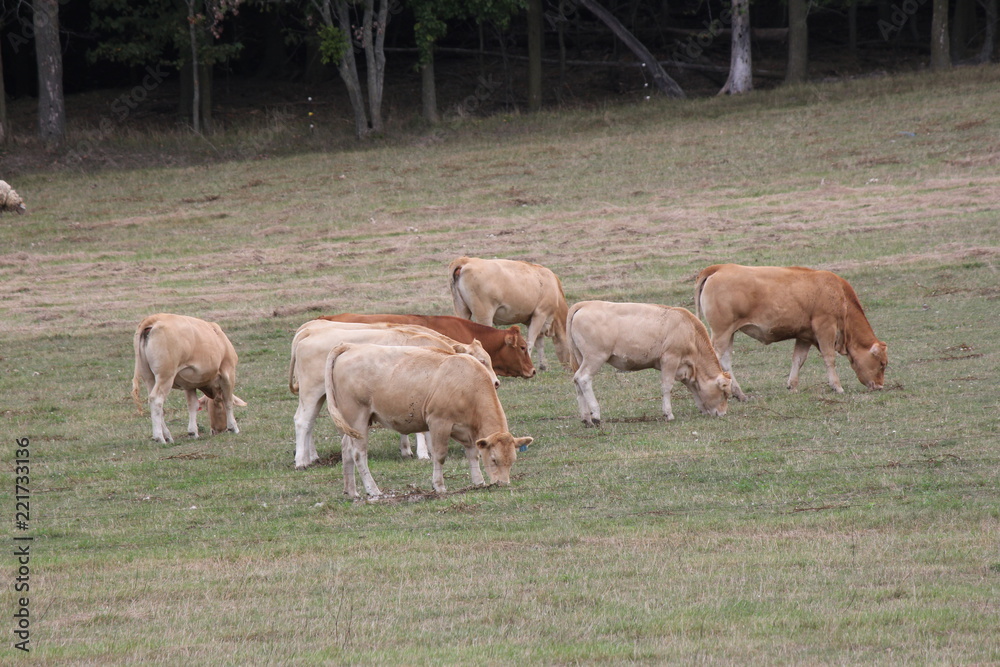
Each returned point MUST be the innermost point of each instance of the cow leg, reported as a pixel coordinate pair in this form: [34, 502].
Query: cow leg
[724, 348]
[157, 397]
[359, 453]
[440, 433]
[583, 381]
[227, 383]
[829, 351]
[305, 423]
[404, 446]
[472, 456]
[347, 463]
[668, 373]
[799, 355]
[192, 401]
[536, 339]
[423, 450]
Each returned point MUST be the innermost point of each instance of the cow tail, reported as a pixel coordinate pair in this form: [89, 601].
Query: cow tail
[139, 342]
[293, 386]
[331, 403]
[574, 352]
[455, 271]
[699, 285]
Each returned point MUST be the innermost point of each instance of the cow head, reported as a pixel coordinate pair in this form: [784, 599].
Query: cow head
[216, 408]
[499, 451]
[513, 358]
[869, 364]
[712, 394]
[476, 351]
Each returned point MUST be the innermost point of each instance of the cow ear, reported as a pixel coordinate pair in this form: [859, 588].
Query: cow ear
[523, 442]
[459, 348]
[877, 348]
[509, 339]
[239, 402]
[483, 444]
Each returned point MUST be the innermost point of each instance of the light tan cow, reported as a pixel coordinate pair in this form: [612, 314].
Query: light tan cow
[636, 336]
[773, 303]
[190, 354]
[504, 291]
[310, 346]
[410, 390]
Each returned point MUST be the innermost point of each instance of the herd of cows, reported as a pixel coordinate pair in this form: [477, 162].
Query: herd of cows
[436, 376]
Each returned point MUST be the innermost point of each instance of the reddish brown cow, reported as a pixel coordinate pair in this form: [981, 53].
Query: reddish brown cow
[773, 303]
[507, 348]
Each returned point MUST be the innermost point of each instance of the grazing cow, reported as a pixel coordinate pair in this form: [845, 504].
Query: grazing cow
[314, 340]
[412, 389]
[773, 303]
[189, 354]
[636, 336]
[504, 291]
[506, 347]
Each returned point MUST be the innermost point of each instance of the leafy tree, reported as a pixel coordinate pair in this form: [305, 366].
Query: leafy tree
[431, 24]
[175, 33]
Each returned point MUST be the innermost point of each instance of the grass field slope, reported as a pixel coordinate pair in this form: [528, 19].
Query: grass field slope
[801, 528]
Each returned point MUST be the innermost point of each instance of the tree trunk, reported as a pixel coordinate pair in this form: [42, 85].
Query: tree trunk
[373, 40]
[990, 33]
[428, 92]
[961, 26]
[798, 42]
[940, 48]
[852, 27]
[740, 74]
[661, 79]
[51, 105]
[195, 80]
[3, 102]
[535, 20]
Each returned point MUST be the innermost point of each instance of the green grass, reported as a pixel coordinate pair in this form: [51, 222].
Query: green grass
[802, 528]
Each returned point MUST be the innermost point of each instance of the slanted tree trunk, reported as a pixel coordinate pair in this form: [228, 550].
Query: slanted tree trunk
[990, 32]
[347, 67]
[940, 48]
[797, 70]
[740, 75]
[51, 105]
[661, 79]
[535, 19]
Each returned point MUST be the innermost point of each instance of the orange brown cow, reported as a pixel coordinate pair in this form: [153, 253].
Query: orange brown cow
[772, 303]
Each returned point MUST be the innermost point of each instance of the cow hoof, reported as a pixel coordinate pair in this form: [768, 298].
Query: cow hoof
[192, 435]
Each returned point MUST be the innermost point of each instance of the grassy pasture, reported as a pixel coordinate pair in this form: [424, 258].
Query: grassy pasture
[801, 528]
